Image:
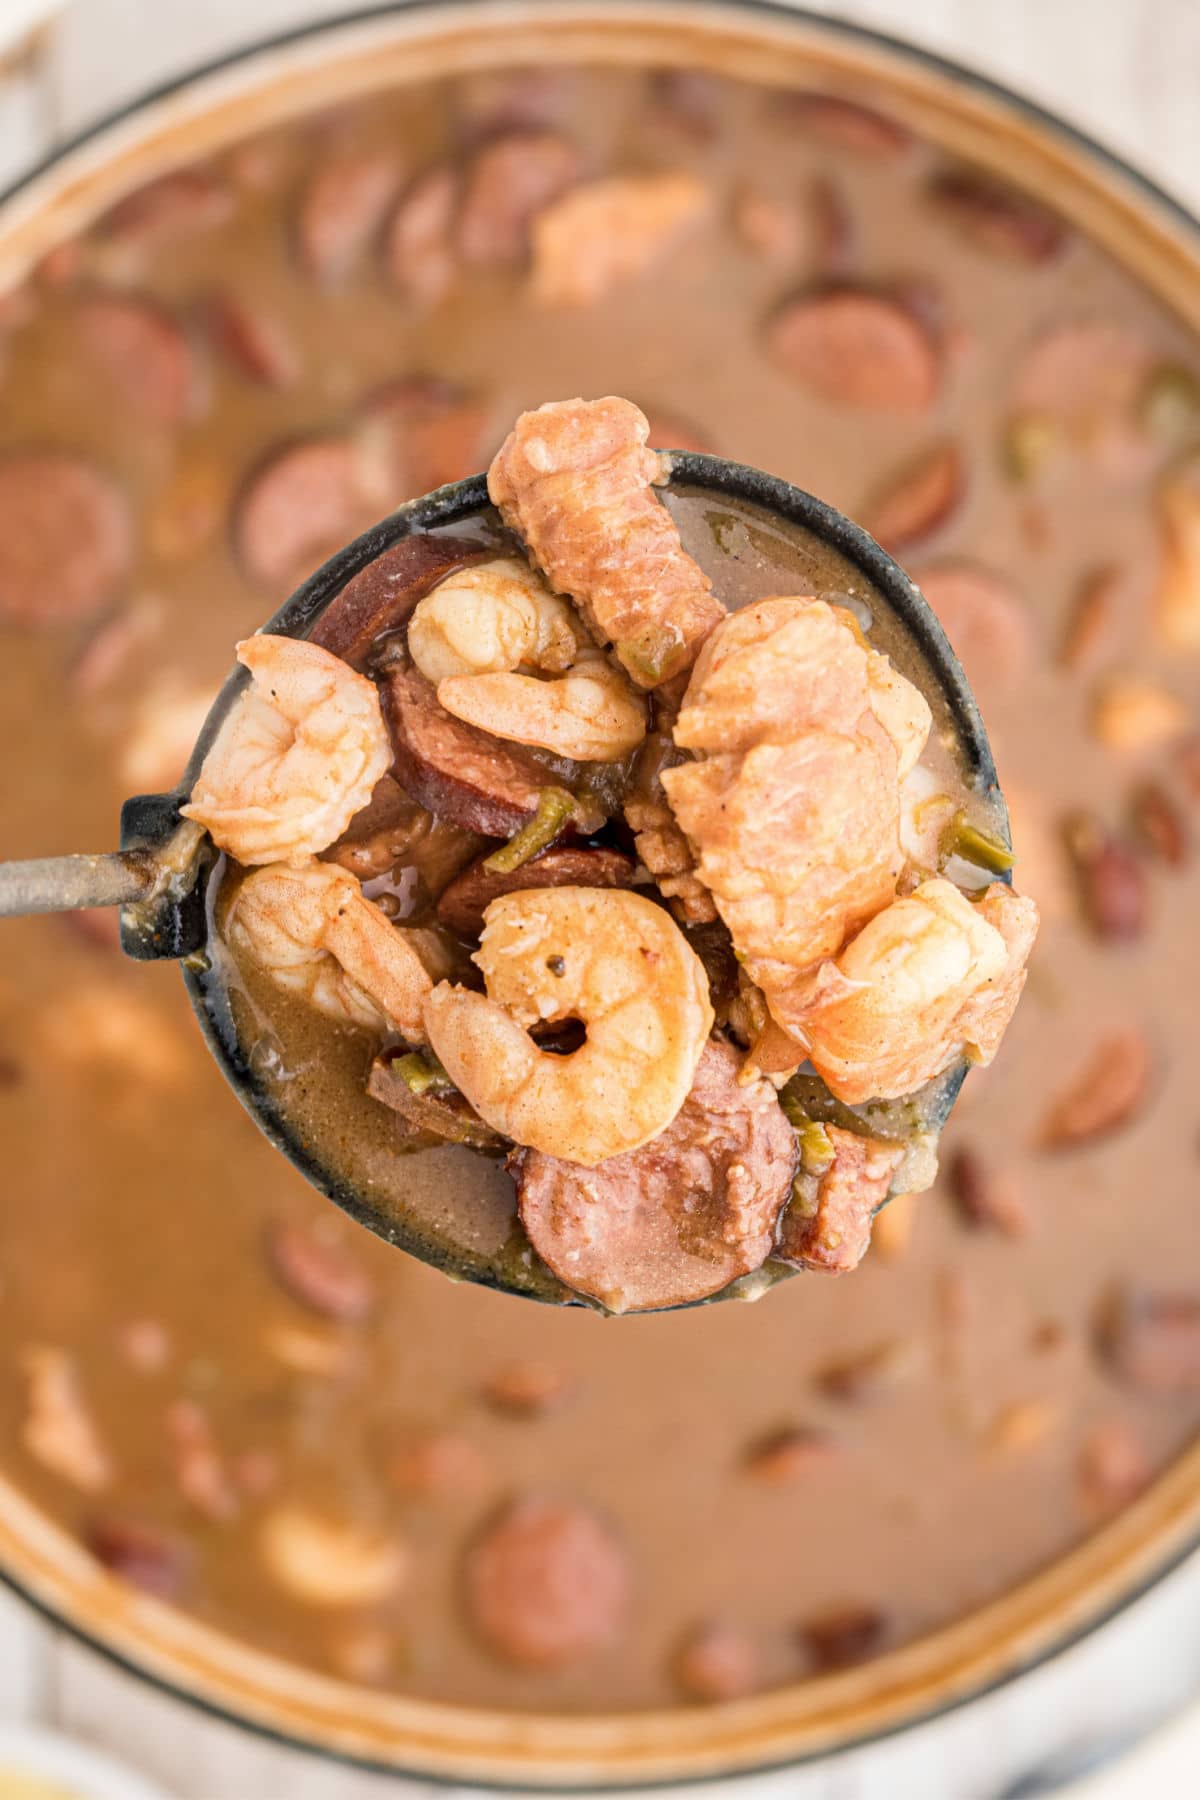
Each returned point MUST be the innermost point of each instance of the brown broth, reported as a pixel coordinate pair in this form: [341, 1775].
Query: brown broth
[137, 1190]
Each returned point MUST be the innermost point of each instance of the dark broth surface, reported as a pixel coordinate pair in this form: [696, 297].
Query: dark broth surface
[140, 1200]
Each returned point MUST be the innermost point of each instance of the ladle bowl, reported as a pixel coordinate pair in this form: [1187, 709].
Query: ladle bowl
[159, 877]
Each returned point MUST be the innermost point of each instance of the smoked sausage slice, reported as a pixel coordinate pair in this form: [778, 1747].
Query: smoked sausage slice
[66, 538]
[462, 905]
[546, 1583]
[457, 771]
[382, 596]
[679, 1218]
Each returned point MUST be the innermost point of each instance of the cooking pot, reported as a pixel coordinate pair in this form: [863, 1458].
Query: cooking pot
[776, 46]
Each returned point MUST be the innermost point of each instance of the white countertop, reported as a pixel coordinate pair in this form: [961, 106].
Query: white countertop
[1128, 71]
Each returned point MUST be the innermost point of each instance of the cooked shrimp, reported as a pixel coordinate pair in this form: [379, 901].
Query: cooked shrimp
[929, 978]
[590, 714]
[613, 961]
[490, 618]
[297, 757]
[315, 933]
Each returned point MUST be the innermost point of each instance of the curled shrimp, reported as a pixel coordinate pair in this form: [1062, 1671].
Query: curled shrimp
[314, 932]
[297, 757]
[613, 961]
[591, 714]
[490, 618]
[929, 978]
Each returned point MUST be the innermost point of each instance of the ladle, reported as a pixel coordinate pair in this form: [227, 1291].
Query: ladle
[157, 878]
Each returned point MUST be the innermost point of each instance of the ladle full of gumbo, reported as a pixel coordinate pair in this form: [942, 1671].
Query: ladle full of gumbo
[638, 844]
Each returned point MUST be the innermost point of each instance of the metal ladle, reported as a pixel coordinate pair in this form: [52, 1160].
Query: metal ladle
[158, 877]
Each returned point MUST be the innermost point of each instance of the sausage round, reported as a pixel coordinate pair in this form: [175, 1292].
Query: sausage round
[678, 1219]
[454, 770]
[546, 1583]
[66, 538]
[143, 351]
[381, 597]
[300, 505]
[464, 902]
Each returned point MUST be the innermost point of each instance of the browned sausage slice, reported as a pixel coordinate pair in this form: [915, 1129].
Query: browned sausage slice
[342, 209]
[253, 340]
[546, 1583]
[143, 351]
[456, 771]
[175, 205]
[678, 1219]
[462, 905]
[854, 347]
[983, 617]
[918, 498]
[381, 597]
[509, 179]
[423, 431]
[300, 505]
[844, 124]
[419, 253]
[66, 538]
[997, 217]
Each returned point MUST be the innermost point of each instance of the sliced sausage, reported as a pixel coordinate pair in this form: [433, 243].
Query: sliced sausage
[1107, 1093]
[419, 252]
[303, 502]
[342, 209]
[319, 1273]
[830, 1229]
[546, 1583]
[66, 538]
[382, 596]
[456, 771]
[380, 834]
[252, 339]
[509, 179]
[855, 347]
[983, 617]
[139, 1554]
[1111, 880]
[678, 1219]
[997, 217]
[175, 205]
[423, 432]
[717, 1661]
[1151, 1340]
[142, 350]
[843, 124]
[440, 1115]
[918, 498]
[462, 905]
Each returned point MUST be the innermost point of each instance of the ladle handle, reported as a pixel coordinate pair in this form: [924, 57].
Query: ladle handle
[68, 883]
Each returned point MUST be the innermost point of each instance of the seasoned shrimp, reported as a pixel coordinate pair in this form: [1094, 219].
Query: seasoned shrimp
[488, 619]
[297, 757]
[929, 978]
[591, 714]
[608, 958]
[315, 933]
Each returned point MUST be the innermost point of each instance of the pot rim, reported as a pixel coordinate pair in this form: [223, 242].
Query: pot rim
[1122, 1562]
